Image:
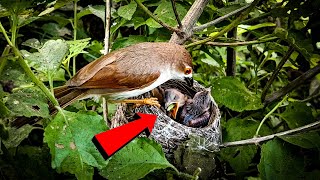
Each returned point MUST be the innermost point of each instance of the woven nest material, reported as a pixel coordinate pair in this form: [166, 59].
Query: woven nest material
[169, 133]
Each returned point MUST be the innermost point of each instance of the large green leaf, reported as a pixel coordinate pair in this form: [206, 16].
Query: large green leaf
[306, 140]
[165, 13]
[233, 94]
[127, 11]
[69, 137]
[297, 114]
[127, 41]
[28, 102]
[49, 57]
[140, 157]
[278, 161]
[240, 157]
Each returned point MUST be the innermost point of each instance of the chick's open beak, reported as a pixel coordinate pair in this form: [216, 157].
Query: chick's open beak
[173, 109]
[189, 81]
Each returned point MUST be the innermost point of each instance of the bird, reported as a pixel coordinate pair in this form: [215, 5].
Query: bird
[128, 72]
[196, 111]
[173, 100]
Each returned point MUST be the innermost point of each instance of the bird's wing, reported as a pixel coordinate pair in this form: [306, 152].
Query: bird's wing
[93, 68]
[113, 79]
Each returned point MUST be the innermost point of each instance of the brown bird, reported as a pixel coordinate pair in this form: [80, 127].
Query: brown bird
[128, 72]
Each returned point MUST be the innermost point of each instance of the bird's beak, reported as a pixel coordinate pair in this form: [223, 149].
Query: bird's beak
[173, 109]
[189, 81]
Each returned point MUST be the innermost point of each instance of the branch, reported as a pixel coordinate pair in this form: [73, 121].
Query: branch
[231, 55]
[298, 130]
[216, 21]
[107, 29]
[173, 2]
[146, 10]
[275, 73]
[294, 84]
[245, 43]
[233, 24]
[189, 21]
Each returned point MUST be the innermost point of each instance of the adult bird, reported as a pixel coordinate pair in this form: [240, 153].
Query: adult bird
[128, 72]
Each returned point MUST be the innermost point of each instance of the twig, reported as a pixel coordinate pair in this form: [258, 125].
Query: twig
[233, 24]
[3, 59]
[216, 21]
[275, 73]
[173, 2]
[107, 29]
[231, 55]
[310, 98]
[145, 9]
[75, 27]
[291, 86]
[308, 127]
[269, 114]
[248, 21]
[189, 21]
[245, 43]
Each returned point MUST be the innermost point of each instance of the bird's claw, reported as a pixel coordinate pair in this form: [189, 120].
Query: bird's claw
[149, 101]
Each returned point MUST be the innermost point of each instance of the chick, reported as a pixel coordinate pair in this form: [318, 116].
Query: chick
[173, 100]
[196, 112]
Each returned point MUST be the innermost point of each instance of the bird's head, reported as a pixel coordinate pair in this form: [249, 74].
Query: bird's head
[183, 68]
[173, 101]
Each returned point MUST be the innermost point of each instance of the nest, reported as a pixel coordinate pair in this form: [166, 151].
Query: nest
[169, 133]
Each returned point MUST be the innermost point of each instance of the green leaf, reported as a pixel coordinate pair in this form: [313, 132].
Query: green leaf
[127, 41]
[16, 136]
[4, 111]
[26, 20]
[296, 39]
[245, 28]
[55, 29]
[278, 161]
[69, 138]
[233, 94]
[49, 57]
[138, 21]
[297, 114]
[165, 13]
[127, 11]
[140, 157]
[99, 11]
[76, 47]
[240, 157]
[28, 102]
[307, 140]
[33, 43]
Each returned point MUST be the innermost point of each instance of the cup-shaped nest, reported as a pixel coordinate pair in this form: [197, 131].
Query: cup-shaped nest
[169, 132]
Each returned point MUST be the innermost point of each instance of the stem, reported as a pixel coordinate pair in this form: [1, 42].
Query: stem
[27, 69]
[275, 73]
[173, 3]
[3, 59]
[14, 29]
[245, 43]
[107, 28]
[267, 116]
[75, 26]
[233, 24]
[146, 10]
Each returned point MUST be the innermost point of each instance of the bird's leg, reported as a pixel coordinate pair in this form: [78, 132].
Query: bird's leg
[139, 102]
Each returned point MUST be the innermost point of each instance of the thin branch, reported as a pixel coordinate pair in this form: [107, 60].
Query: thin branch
[231, 55]
[255, 141]
[189, 21]
[233, 24]
[173, 2]
[146, 10]
[310, 98]
[248, 21]
[244, 43]
[107, 28]
[75, 28]
[275, 73]
[294, 84]
[216, 21]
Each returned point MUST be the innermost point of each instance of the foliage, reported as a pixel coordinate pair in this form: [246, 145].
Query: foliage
[49, 40]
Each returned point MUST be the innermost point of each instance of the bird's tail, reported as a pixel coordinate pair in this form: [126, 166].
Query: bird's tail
[65, 97]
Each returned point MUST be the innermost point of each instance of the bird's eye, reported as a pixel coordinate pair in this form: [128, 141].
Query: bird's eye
[187, 71]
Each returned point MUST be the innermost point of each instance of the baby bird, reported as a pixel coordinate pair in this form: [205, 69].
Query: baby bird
[174, 99]
[196, 112]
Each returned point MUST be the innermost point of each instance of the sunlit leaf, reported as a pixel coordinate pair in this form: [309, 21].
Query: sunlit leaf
[127, 11]
[140, 157]
[69, 137]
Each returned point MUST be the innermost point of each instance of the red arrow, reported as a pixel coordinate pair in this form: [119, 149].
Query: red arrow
[113, 140]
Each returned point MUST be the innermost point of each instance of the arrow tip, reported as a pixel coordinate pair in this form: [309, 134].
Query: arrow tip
[149, 120]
